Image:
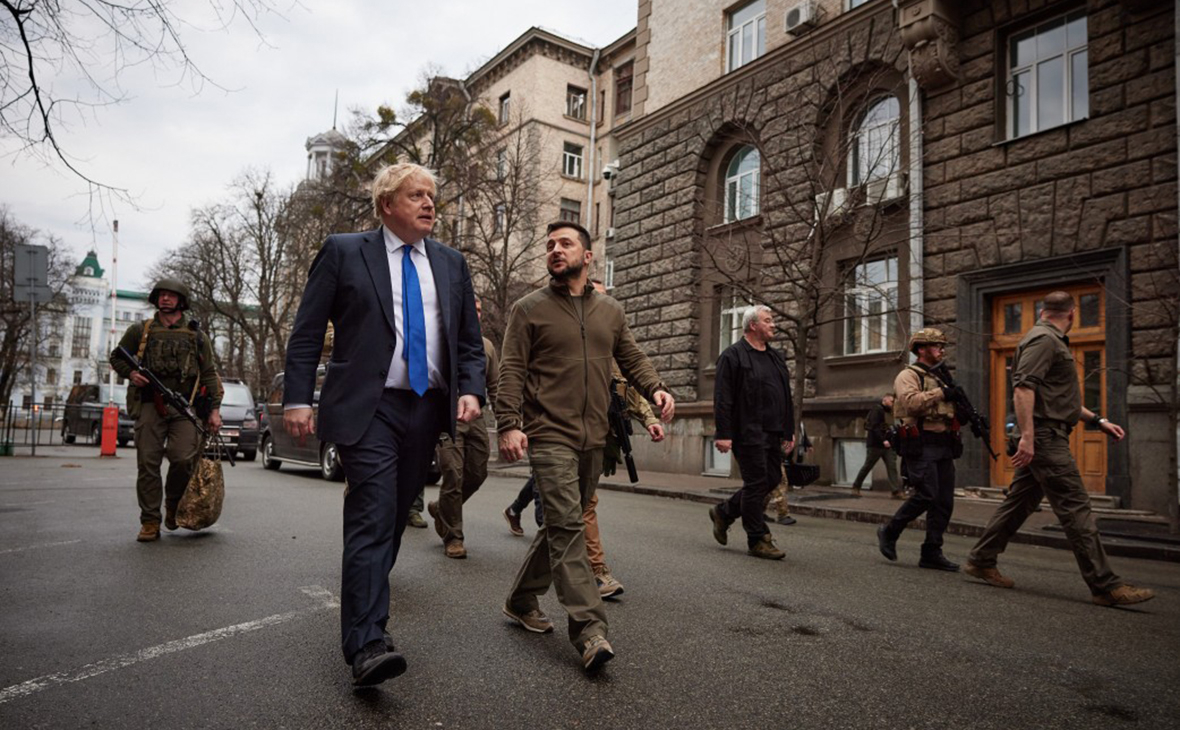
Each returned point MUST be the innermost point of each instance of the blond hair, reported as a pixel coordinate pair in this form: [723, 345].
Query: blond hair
[390, 179]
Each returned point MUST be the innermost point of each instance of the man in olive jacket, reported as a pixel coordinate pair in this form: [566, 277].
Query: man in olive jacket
[555, 372]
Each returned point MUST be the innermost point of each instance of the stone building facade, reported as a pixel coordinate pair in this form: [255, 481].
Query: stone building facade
[1032, 146]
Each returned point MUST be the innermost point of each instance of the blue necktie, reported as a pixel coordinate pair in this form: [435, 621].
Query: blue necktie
[414, 324]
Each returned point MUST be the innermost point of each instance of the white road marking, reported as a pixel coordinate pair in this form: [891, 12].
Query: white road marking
[39, 545]
[26, 504]
[16, 691]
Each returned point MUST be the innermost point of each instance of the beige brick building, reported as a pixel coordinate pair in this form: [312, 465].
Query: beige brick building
[882, 167]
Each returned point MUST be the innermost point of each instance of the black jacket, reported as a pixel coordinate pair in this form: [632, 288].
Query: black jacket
[876, 424]
[737, 395]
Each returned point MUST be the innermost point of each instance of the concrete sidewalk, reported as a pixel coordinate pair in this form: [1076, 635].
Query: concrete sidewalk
[1125, 533]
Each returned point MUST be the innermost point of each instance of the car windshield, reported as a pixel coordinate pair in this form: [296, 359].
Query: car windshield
[120, 395]
[237, 394]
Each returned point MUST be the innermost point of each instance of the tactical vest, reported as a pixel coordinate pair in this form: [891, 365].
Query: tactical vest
[173, 355]
[927, 382]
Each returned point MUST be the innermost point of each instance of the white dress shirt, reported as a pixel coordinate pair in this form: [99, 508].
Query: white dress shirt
[399, 371]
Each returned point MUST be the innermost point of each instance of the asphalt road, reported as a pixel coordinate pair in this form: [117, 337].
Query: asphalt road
[237, 626]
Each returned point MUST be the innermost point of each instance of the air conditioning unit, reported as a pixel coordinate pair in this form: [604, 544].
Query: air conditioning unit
[801, 17]
[885, 190]
[831, 204]
[610, 232]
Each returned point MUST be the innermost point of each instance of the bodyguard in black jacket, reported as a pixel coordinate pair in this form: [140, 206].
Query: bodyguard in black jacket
[753, 415]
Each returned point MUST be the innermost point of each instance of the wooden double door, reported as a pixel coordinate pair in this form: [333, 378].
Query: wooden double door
[1012, 316]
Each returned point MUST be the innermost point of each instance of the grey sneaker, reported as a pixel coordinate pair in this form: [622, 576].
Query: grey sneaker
[598, 651]
[533, 620]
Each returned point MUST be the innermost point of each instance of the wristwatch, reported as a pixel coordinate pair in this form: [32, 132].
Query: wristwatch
[1098, 420]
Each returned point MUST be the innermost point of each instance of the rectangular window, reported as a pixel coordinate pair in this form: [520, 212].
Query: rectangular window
[77, 377]
[54, 348]
[733, 308]
[571, 211]
[51, 377]
[498, 221]
[746, 34]
[608, 274]
[623, 85]
[81, 343]
[501, 165]
[505, 107]
[856, 3]
[870, 309]
[716, 463]
[1048, 75]
[575, 102]
[571, 160]
[850, 456]
[602, 105]
[597, 218]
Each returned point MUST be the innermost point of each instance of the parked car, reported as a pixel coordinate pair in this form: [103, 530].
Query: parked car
[239, 422]
[83, 414]
[278, 447]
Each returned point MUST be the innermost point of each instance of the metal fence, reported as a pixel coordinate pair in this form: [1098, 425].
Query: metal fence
[24, 428]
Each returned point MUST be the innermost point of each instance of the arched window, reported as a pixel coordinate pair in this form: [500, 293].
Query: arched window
[876, 149]
[742, 182]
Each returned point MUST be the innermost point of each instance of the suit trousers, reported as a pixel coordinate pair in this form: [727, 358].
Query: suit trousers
[872, 455]
[932, 476]
[1053, 473]
[464, 464]
[386, 470]
[156, 436]
[566, 480]
[761, 464]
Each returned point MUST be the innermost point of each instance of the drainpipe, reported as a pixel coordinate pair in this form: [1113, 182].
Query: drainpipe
[917, 282]
[1176, 384]
[590, 171]
[466, 115]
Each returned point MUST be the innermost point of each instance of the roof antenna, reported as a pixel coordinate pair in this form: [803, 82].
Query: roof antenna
[335, 106]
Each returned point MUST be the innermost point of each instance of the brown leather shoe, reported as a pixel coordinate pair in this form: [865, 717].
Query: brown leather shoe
[432, 508]
[170, 518]
[991, 576]
[533, 620]
[455, 549]
[765, 548]
[1124, 595]
[148, 532]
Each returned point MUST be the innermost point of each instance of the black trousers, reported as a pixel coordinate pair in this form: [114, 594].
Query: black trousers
[932, 476]
[386, 471]
[761, 464]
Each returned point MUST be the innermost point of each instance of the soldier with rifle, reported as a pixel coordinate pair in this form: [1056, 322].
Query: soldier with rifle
[181, 358]
[928, 440]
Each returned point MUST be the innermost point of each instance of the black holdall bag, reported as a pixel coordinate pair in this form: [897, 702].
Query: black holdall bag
[798, 473]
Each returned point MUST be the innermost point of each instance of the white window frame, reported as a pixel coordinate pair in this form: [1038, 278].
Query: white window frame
[1015, 89]
[859, 298]
[569, 205]
[498, 214]
[571, 162]
[879, 140]
[735, 207]
[729, 325]
[854, 4]
[608, 274]
[505, 107]
[575, 102]
[850, 457]
[501, 164]
[736, 41]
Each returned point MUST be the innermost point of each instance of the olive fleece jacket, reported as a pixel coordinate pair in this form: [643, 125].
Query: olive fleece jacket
[555, 367]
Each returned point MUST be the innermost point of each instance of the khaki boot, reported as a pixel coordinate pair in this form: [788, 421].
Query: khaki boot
[455, 549]
[1124, 595]
[765, 548]
[148, 532]
[991, 576]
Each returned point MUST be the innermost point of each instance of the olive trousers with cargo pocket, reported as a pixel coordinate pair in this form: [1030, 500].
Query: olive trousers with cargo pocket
[1054, 474]
[158, 436]
[566, 481]
[464, 464]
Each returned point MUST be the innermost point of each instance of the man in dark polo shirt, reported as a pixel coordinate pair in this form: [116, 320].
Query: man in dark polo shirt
[1048, 404]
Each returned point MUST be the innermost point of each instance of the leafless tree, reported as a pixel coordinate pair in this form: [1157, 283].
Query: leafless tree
[824, 203]
[16, 322]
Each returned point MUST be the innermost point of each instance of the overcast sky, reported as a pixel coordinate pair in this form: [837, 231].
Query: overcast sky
[176, 150]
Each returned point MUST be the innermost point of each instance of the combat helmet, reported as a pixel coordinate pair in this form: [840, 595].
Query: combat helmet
[926, 336]
[170, 285]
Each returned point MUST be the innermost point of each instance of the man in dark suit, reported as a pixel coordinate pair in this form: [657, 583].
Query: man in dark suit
[407, 362]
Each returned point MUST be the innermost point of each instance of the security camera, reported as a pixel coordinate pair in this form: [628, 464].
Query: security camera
[609, 171]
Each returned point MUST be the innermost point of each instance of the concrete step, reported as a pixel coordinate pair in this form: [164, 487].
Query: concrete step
[1098, 501]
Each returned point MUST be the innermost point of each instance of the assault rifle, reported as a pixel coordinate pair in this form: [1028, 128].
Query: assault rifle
[174, 399]
[966, 412]
[620, 426]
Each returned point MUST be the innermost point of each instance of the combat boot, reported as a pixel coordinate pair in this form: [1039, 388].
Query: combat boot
[149, 532]
[720, 525]
[991, 576]
[935, 560]
[886, 544]
[765, 548]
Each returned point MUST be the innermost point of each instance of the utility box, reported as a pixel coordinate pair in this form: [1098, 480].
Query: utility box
[110, 430]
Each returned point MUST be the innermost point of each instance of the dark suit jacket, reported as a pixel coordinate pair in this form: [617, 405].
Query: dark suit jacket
[737, 394]
[349, 285]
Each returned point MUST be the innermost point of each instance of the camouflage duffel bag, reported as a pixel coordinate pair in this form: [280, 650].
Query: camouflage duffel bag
[201, 504]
